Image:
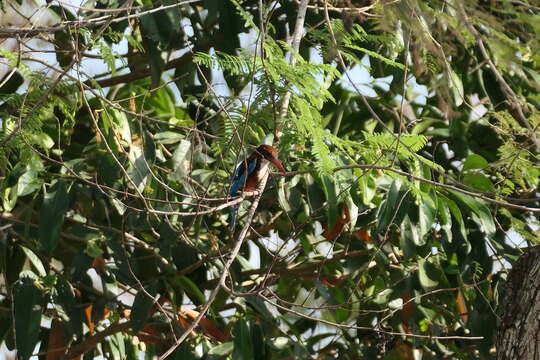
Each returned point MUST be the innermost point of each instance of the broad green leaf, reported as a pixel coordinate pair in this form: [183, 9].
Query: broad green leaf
[117, 346]
[331, 198]
[445, 218]
[143, 303]
[423, 125]
[376, 55]
[53, 210]
[353, 213]
[65, 297]
[258, 341]
[456, 213]
[28, 182]
[428, 274]
[63, 47]
[410, 237]
[535, 76]
[368, 187]
[10, 85]
[479, 211]
[453, 265]
[191, 289]
[28, 302]
[149, 148]
[43, 140]
[478, 181]
[393, 208]
[139, 169]
[222, 349]
[426, 213]
[243, 346]
[121, 125]
[168, 137]
[474, 161]
[181, 161]
[456, 85]
[283, 196]
[35, 260]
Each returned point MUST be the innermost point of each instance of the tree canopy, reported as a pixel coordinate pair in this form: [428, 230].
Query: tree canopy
[409, 129]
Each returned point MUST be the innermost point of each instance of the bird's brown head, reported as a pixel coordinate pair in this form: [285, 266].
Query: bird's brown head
[270, 153]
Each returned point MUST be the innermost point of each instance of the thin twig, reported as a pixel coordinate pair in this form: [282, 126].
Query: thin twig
[295, 45]
[79, 24]
[513, 100]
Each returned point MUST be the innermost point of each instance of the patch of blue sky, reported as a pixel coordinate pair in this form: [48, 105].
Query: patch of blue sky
[362, 79]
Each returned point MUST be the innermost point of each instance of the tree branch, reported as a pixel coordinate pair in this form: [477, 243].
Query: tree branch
[126, 78]
[79, 24]
[90, 342]
[512, 98]
[295, 44]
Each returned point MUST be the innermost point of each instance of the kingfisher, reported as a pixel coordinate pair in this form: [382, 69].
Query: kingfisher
[251, 171]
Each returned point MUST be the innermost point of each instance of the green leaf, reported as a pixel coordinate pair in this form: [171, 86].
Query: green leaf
[283, 196]
[445, 218]
[191, 289]
[35, 260]
[243, 346]
[63, 47]
[453, 265]
[329, 188]
[180, 159]
[426, 213]
[480, 212]
[43, 140]
[222, 349]
[28, 303]
[427, 274]
[117, 346]
[456, 85]
[535, 76]
[12, 84]
[121, 126]
[140, 311]
[65, 297]
[393, 208]
[474, 161]
[28, 182]
[53, 210]
[478, 181]
[410, 236]
[353, 213]
[168, 137]
[258, 340]
[368, 187]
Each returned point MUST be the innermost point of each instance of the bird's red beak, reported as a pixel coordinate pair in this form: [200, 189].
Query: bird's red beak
[278, 164]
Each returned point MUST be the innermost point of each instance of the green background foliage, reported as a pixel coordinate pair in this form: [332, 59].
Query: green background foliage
[390, 237]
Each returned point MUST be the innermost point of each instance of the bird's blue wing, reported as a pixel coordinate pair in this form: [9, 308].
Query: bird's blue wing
[240, 175]
[238, 181]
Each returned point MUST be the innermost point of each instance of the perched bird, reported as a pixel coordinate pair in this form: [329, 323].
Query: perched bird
[250, 172]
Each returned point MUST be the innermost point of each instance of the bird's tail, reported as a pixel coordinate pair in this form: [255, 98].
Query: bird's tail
[234, 212]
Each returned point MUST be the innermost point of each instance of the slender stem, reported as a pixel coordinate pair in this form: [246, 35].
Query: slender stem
[511, 96]
[295, 44]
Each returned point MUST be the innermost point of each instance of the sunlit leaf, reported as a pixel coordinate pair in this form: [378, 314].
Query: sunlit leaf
[478, 181]
[474, 161]
[427, 274]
